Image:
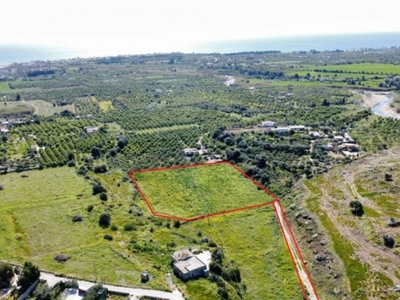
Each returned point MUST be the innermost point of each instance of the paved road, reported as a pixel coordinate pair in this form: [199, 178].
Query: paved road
[175, 295]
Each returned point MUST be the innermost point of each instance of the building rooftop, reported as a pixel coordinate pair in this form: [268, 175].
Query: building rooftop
[181, 255]
[189, 265]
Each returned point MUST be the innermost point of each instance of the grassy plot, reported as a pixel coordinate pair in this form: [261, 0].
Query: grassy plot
[13, 108]
[36, 224]
[253, 240]
[105, 105]
[4, 87]
[44, 108]
[196, 191]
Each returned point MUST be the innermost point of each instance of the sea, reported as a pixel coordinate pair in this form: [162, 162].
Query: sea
[346, 42]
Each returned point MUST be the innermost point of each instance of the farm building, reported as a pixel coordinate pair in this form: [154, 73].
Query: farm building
[4, 130]
[297, 127]
[267, 124]
[190, 151]
[186, 265]
[91, 129]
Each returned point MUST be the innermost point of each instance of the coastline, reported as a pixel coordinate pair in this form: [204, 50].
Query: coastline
[379, 103]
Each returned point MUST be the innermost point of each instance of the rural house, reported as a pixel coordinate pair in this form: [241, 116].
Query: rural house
[186, 265]
[91, 129]
[267, 124]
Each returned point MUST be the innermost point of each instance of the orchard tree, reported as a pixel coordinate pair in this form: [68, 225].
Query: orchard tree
[6, 272]
[95, 152]
[30, 273]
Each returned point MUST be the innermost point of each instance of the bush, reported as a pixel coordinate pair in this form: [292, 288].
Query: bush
[71, 284]
[103, 197]
[43, 292]
[388, 241]
[105, 220]
[71, 163]
[1, 187]
[177, 224]
[82, 170]
[215, 267]
[212, 244]
[129, 227]
[98, 188]
[100, 169]
[356, 208]
[89, 208]
[108, 237]
[6, 272]
[231, 273]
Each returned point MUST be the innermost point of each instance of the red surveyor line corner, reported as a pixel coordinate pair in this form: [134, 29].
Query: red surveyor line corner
[225, 212]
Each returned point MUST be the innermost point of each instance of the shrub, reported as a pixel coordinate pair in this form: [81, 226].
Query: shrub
[108, 237]
[105, 220]
[71, 163]
[98, 188]
[231, 273]
[6, 272]
[129, 227]
[388, 241]
[100, 169]
[356, 208]
[1, 187]
[212, 244]
[177, 224]
[43, 292]
[71, 284]
[103, 197]
[215, 267]
[82, 170]
[89, 208]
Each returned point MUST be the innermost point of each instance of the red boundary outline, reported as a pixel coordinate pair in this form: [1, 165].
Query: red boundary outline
[276, 200]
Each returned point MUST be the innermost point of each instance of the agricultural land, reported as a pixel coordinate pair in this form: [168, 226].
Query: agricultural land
[320, 130]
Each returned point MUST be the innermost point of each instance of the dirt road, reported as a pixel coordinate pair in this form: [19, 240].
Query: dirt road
[301, 270]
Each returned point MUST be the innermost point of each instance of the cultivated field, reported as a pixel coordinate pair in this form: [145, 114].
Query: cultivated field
[201, 190]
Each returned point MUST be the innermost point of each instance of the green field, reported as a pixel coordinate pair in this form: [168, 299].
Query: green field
[14, 108]
[254, 241]
[4, 87]
[43, 108]
[36, 224]
[196, 191]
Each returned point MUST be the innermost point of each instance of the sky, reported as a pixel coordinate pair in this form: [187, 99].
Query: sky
[150, 22]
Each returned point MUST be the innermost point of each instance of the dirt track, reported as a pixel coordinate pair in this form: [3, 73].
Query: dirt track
[295, 253]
